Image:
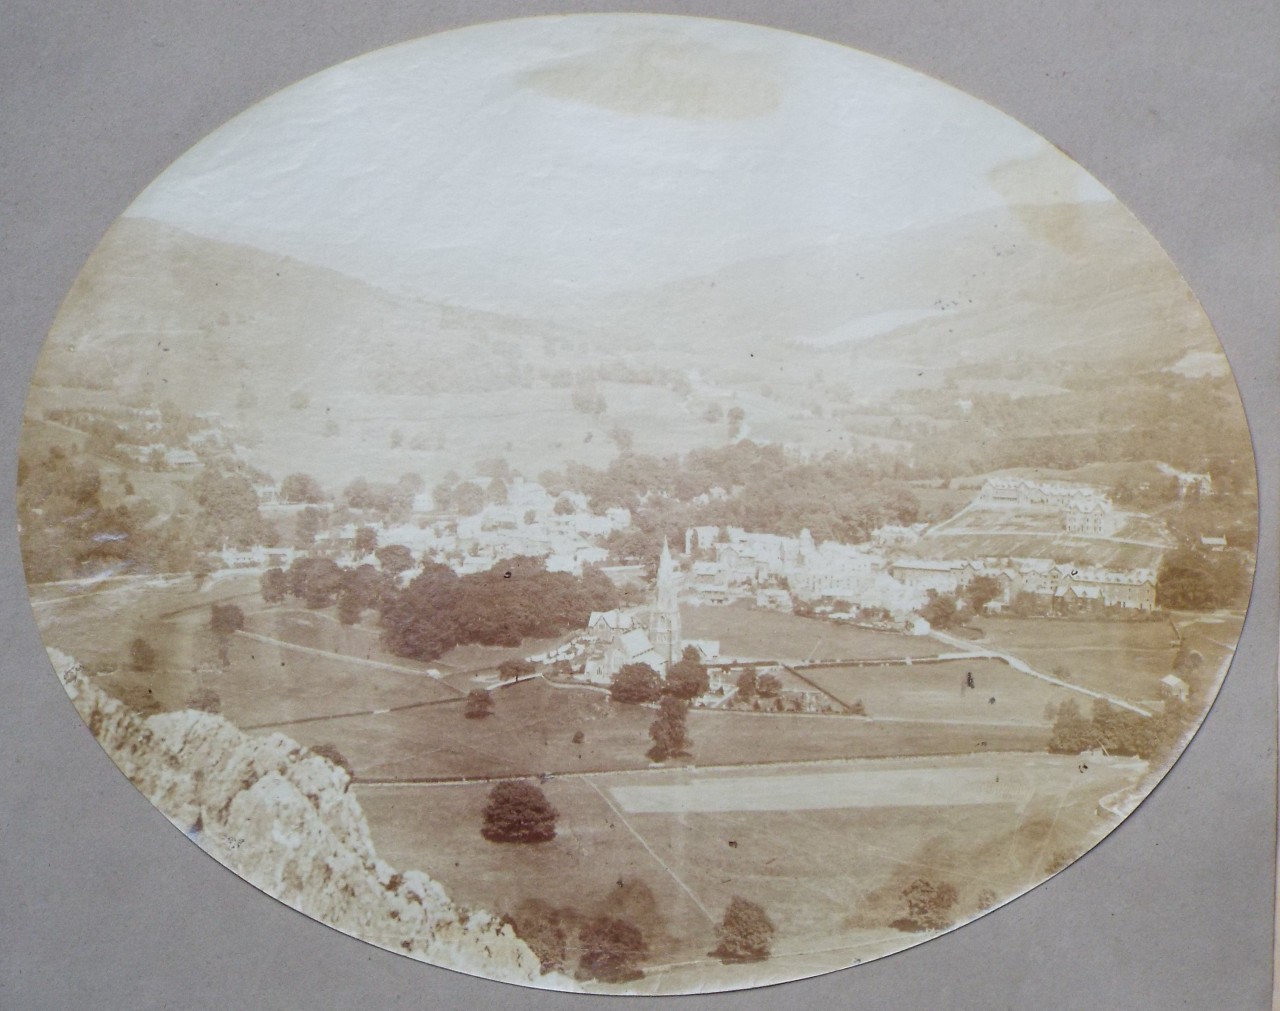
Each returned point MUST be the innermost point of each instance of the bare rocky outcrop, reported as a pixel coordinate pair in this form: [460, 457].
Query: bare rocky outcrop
[281, 817]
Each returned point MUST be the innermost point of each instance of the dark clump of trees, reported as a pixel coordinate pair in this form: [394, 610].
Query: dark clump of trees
[636, 684]
[299, 488]
[479, 704]
[1114, 730]
[315, 580]
[611, 949]
[687, 679]
[546, 930]
[746, 932]
[929, 905]
[768, 686]
[1191, 580]
[979, 592]
[274, 585]
[669, 732]
[519, 812]
[940, 610]
[608, 948]
[517, 598]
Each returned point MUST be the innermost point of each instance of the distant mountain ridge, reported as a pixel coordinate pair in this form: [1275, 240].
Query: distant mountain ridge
[201, 319]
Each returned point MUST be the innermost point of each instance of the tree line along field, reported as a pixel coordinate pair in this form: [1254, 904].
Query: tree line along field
[532, 728]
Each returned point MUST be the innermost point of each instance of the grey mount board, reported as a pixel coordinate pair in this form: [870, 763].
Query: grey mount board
[1172, 107]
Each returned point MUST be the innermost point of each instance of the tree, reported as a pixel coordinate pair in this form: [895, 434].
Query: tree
[610, 949]
[225, 619]
[518, 811]
[394, 559]
[980, 592]
[1072, 730]
[687, 679]
[545, 929]
[201, 570]
[306, 527]
[928, 905]
[669, 732]
[366, 541]
[299, 488]
[141, 656]
[350, 606]
[747, 686]
[274, 585]
[768, 686]
[636, 683]
[315, 580]
[940, 610]
[514, 670]
[1185, 582]
[468, 498]
[1187, 661]
[479, 704]
[746, 932]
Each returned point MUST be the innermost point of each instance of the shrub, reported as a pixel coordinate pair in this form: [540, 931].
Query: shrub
[610, 950]
[928, 905]
[746, 932]
[479, 704]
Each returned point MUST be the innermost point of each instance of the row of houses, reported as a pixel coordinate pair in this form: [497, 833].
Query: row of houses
[777, 571]
[1065, 585]
[1083, 509]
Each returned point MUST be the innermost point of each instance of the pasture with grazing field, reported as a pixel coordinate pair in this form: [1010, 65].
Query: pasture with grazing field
[1124, 658]
[827, 852]
[939, 691]
[595, 864]
[750, 633]
[267, 683]
[533, 723]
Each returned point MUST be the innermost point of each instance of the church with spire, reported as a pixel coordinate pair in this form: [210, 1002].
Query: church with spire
[664, 612]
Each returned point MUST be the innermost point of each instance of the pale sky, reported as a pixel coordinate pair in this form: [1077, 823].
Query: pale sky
[513, 165]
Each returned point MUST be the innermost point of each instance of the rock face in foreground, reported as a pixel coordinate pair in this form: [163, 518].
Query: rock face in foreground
[281, 817]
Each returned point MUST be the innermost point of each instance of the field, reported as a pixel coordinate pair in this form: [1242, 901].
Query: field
[822, 819]
[1060, 547]
[748, 633]
[669, 849]
[939, 691]
[1123, 658]
[262, 683]
[533, 723]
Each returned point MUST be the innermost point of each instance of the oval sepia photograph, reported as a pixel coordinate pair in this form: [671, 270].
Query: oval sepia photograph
[636, 504]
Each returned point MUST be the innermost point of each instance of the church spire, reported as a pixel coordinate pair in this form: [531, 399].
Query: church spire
[664, 615]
